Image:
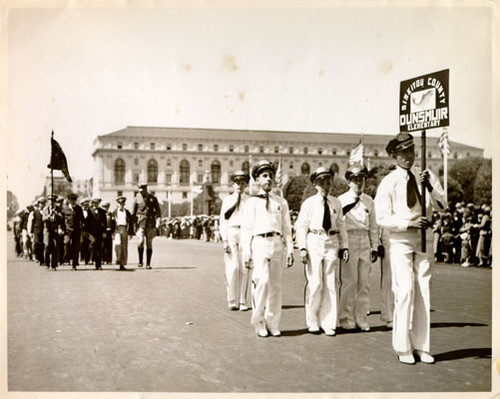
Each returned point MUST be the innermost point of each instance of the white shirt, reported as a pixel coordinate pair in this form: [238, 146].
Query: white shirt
[121, 217]
[236, 217]
[390, 202]
[256, 219]
[311, 218]
[361, 216]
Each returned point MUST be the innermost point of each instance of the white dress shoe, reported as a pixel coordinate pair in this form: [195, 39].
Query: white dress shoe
[406, 357]
[262, 332]
[232, 307]
[329, 331]
[314, 330]
[424, 357]
[243, 308]
[275, 332]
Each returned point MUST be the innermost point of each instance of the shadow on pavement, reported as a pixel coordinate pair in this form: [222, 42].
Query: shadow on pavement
[457, 324]
[478, 353]
[294, 333]
[292, 306]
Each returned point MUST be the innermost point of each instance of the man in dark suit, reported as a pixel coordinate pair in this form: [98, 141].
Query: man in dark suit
[37, 230]
[73, 218]
[52, 230]
[86, 237]
[107, 241]
[97, 228]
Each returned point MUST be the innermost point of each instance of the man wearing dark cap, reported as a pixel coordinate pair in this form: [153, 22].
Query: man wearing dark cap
[321, 238]
[230, 226]
[73, 218]
[53, 221]
[399, 210]
[37, 230]
[97, 229]
[146, 213]
[363, 236]
[266, 239]
[124, 228]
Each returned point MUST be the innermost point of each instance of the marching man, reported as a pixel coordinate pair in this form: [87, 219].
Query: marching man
[124, 228]
[362, 232]
[399, 210]
[321, 238]
[230, 226]
[147, 216]
[266, 238]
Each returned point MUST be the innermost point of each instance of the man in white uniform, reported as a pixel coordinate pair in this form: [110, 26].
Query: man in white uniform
[266, 239]
[230, 227]
[399, 209]
[362, 232]
[321, 237]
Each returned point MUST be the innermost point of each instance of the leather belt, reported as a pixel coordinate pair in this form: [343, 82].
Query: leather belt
[329, 233]
[271, 234]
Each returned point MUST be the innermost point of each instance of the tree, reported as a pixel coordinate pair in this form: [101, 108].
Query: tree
[375, 175]
[12, 205]
[294, 190]
[455, 191]
[482, 184]
[464, 171]
[339, 186]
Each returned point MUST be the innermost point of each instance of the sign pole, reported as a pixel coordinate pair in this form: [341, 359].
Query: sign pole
[445, 165]
[423, 149]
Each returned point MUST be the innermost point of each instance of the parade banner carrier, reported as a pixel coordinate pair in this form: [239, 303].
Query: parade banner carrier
[424, 102]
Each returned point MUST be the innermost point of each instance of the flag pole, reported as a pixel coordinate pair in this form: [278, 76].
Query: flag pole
[51, 173]
[423, 149]
[445, 165]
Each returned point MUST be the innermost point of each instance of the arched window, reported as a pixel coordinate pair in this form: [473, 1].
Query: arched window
[152, 171]
[245, 167]
[119, 171]
[305, 169]
[184, 172]
[215, 172]
[334, 167]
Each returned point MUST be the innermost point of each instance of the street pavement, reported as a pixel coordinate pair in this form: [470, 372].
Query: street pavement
[169, 330]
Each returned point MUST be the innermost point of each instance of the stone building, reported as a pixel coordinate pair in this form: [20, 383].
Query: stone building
[175, 161]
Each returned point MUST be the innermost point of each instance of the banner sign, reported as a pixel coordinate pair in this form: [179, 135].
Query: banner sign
[424, 102]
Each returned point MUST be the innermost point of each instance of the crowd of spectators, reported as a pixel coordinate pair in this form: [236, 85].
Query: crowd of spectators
[463, 235]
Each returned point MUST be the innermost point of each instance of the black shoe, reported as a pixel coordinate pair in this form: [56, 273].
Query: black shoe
[123, 268]
[148, 266]
[140, 265]
[73, 268]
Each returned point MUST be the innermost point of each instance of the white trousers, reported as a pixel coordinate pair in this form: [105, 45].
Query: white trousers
[354, 280]
[268, 256]
[321, 274]
[411, 272]
[236, 273]
[386, 289]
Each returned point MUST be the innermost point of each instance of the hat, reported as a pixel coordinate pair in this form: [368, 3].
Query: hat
[355, 170]
[105, 204]
[19, 212]
[401, 142]
[72, 196]
[262, 165]
[121, 198]
[321, 172]
[85, 200]
[52, 197]
[140, 186]
[239, 175]
[41, 199]
[96, 199]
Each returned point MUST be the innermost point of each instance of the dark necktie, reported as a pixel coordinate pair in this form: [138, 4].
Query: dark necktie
[348, 207]
[231, 210]
[327, 222]
[266, 197]
[412, 193]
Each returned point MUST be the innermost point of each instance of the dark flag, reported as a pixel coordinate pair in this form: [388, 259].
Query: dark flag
[58, 159]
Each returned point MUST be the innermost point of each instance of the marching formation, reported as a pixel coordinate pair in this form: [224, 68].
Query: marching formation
[338, 240]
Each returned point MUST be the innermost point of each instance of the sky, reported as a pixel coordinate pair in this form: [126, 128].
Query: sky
[91, 71]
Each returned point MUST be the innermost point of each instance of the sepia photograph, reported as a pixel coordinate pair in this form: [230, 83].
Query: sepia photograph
[233, 198]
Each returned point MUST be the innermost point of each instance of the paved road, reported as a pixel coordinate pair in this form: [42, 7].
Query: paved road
[168, 330]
